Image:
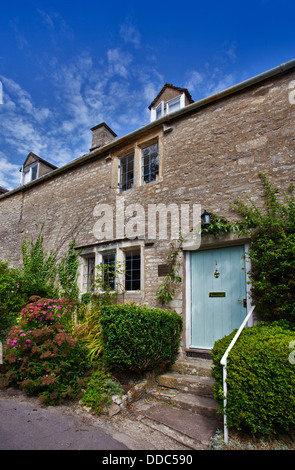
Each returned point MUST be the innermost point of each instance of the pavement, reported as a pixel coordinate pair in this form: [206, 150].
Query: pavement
[147, 425]
[26, 425]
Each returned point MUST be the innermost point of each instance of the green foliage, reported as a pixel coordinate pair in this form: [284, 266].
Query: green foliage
[260, 378]
[139, 338]
[68, 272]
[272, 252]
[220, 225]
[40, 355]
[90, 331]
[39, 270]
[11, 300]
[100, 388]
[272, 273]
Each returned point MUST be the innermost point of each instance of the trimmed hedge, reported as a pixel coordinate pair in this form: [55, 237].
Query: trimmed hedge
[260, 378]
[139, 338]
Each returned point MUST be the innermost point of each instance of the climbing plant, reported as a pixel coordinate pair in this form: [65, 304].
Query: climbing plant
[38, 270]
[165, 292]
[68, 272]
[272, 251]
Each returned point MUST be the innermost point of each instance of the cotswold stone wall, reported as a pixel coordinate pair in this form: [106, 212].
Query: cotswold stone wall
[208, 156]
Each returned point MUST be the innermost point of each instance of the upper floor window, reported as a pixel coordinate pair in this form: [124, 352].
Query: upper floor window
[150, 163]
[127, 172]
[168, 107]
[30, 173]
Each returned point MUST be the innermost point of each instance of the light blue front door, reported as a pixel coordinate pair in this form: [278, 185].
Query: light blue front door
[218, 294]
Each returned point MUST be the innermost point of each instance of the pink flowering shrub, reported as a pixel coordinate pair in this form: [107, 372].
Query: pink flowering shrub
[41, 356]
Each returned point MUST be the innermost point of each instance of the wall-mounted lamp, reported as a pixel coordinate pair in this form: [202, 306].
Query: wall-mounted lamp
[206, 219]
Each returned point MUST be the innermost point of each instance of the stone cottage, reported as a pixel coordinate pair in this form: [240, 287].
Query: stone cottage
[128, 198]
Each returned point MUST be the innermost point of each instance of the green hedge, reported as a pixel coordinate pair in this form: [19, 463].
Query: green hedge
[260, 378]
[139, 338]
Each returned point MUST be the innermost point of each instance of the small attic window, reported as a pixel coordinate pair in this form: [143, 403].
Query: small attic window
[169, 107]
[169, 100]
[30, 173]
[173, 105]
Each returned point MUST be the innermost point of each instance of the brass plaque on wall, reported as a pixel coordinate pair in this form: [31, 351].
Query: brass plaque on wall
[163, 270]
[217, 294]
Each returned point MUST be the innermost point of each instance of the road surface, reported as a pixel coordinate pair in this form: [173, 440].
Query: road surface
[25, 425]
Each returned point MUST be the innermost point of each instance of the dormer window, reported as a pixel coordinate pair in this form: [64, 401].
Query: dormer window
[30, 173]
[169, 100]
[169, 107]
[34, 167]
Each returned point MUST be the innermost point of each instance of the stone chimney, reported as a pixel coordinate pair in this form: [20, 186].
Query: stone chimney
[102, 135]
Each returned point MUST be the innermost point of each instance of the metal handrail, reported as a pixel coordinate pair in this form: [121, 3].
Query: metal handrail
[223, 362]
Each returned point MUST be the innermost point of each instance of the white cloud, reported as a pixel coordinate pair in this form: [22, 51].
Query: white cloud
[54, 22]
[231, 52]
[23, 100]
[130, 34]
[119, 62]
[209, 82]
[9, 173]
[19, 37]
[194, 80]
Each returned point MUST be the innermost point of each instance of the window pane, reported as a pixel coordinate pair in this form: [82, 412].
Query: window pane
[34, 172]
[109, 271]
[159, 111]
[89, 274]
[173, 105]
[26, 176]
[150, 163]
[132, 270]
[127, 172]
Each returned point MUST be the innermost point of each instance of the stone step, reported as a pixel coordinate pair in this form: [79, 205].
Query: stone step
[188, 383]
[202, 405]
[179, 438]
[192, 366]
[192, 430]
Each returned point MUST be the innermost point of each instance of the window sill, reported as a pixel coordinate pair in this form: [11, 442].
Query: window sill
[133, 292]
[158, 180]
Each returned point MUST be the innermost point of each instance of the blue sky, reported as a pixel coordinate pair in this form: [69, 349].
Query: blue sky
[66, 66]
